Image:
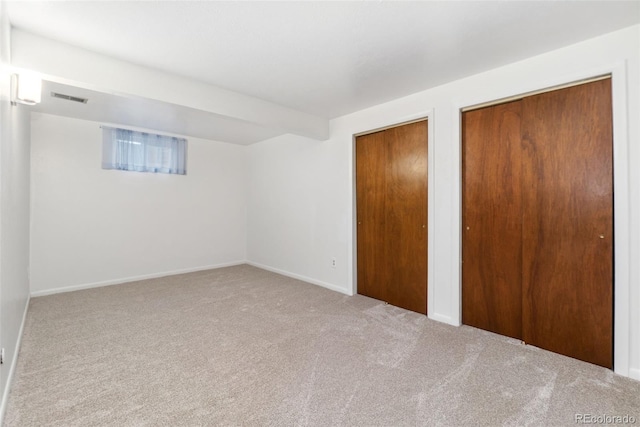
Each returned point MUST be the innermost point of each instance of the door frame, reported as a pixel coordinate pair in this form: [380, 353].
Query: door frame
[377, 126]
[621, 214]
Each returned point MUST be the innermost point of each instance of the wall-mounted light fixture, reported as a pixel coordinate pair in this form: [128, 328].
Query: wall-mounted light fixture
[26, 88]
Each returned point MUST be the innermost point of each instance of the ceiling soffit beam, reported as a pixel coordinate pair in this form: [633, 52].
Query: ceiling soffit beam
[71, 65]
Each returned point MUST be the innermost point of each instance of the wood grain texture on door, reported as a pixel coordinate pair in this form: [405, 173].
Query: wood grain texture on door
[492, 219]
[391, 206]
[568, 217]
[370, 214]
[406, 216]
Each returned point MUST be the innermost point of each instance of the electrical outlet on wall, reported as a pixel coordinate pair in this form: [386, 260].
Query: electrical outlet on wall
[333, 263]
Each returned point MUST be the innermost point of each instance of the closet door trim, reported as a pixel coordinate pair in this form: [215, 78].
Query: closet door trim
[535, 92]
[381, 129]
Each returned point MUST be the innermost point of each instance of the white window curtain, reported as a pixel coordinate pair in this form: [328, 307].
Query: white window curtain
[129, 150]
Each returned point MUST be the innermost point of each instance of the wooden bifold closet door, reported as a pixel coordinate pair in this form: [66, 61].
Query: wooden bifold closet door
[538, 221]
[391, 205]
[492, 219]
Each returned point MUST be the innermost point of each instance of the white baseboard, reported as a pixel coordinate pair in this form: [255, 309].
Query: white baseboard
[12, 368]
[301, 277]
[132, 279]
[443, 319]
[634, 373]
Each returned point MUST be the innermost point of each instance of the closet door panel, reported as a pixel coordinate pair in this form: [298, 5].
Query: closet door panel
[370, 213]
[568, 222]
[406, 216]
[492, 219]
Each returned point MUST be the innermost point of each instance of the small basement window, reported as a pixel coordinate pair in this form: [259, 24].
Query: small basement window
[130, 150]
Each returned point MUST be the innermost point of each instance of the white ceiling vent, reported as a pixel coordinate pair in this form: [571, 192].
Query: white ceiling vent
[69, 97]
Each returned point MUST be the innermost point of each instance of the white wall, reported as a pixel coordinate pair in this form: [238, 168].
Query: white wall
[301, 191]
[298, 220]
[14, 216]
[92, 226]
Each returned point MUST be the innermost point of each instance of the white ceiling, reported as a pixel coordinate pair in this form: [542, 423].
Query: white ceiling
[323, 58]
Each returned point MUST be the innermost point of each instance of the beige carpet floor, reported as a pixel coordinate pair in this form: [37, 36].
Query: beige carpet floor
[243, 346]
